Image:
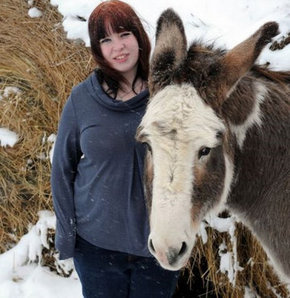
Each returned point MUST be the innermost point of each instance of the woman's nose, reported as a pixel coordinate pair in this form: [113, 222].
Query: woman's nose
[119, 45]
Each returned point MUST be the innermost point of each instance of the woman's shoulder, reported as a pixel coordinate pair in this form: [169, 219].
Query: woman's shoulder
[85, 91]
[84, 86]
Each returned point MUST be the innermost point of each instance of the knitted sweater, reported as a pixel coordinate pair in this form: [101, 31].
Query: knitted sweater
[97, 172]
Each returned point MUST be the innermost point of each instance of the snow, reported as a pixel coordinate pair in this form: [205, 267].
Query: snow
[7, 137]
[224, 23]
[229, 263]
[21, 273]
[250, 294]
[51, 139]
[34, 12]
[10, 90]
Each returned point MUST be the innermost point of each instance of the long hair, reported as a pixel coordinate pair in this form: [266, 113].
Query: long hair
[120, 17]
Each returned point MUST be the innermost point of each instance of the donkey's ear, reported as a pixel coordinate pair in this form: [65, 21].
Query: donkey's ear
[238, 61]
[170, 49]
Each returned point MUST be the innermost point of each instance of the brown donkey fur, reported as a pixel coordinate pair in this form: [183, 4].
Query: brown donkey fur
[218, 130]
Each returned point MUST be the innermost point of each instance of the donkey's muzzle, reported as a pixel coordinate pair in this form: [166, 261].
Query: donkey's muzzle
[169, 258]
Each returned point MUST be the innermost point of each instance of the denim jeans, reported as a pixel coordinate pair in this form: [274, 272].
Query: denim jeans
[111, 274]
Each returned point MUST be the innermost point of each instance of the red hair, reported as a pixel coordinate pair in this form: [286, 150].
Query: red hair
[120, 17]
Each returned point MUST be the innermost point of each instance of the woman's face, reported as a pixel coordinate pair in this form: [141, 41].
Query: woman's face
[121, 51]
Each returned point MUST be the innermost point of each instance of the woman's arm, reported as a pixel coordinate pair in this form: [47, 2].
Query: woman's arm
[66, 156]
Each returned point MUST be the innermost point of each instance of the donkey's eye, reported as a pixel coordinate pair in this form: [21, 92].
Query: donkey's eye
[148, 147]
[203, 151]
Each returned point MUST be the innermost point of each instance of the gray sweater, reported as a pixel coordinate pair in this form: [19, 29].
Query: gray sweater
[97, 172]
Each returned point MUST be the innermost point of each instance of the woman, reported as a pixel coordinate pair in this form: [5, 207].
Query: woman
[97, 169]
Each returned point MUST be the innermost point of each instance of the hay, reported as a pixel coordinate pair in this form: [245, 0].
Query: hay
[256, 273]
[36, 57]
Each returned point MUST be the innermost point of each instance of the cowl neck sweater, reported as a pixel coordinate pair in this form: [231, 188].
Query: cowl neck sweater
[97, 172]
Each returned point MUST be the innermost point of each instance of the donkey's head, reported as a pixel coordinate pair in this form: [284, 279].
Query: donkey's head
[188, 165]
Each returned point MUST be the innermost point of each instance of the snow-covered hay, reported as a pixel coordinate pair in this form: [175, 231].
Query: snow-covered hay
[38, 67]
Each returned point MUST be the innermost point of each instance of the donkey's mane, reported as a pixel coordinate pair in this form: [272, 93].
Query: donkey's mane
[280, 77]
[210, 51]
[200, 48]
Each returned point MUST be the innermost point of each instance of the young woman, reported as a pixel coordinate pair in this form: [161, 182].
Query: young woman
[97, 169]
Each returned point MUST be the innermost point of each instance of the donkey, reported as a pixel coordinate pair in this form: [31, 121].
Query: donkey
[217, 128]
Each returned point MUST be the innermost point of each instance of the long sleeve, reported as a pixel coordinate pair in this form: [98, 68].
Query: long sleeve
[66, 156]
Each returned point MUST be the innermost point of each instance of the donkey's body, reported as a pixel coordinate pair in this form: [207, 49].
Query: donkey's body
[219, 132]
[260, 192]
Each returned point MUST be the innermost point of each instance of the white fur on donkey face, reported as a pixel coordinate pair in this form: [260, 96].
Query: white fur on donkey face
[177, 125]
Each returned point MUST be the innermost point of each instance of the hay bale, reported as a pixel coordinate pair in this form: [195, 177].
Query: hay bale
[36, 58]
[255, 274]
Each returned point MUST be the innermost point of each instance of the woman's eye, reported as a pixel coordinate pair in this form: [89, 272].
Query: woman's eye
[105, 40]
[125, 34]
[203, 152]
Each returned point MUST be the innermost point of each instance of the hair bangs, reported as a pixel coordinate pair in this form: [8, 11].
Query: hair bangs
[115, 17]
[116, 22]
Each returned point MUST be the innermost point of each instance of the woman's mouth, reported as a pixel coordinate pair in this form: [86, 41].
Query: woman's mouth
[121, 58]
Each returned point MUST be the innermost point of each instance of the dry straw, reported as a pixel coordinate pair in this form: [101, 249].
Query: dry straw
[36, 57]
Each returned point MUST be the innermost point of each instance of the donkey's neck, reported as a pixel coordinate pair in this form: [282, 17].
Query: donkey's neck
[261, 134]
[260, 190]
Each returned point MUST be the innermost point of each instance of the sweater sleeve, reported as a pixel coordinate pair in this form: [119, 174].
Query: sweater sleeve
[65, 160]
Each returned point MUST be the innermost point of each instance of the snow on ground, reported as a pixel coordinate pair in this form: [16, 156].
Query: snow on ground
[21, 273]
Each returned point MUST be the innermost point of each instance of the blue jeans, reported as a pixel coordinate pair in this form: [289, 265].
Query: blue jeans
[111, 274]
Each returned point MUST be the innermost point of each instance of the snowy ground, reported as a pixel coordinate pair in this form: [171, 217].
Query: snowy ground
[224, 22]
[22, 276]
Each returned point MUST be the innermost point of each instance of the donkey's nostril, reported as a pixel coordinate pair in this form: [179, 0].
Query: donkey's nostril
[151, 245]
[174, 254]
[183, 249]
